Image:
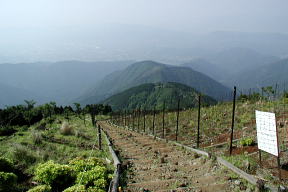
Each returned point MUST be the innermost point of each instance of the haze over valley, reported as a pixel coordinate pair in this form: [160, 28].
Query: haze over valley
[85, 53]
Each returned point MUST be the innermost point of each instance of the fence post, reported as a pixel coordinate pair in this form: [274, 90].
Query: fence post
[260, 158]
[177, 119]
[153, 124]
[99, 138]
[163, 121]
[198, 127]
[233, 118]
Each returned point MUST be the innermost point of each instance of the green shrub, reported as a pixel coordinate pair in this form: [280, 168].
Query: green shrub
[59, 177]
[76, 188]
[41, 188]
[247, 142]
[94, 189]
[7, 180]
[97, 177]
[80, 164]
[6, 165]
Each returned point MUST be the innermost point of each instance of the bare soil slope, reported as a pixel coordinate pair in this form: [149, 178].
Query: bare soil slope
[154, 165]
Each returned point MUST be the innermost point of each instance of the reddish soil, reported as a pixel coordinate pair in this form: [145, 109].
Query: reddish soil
[271, 164]
[225, 137]
[241, 150]
[154, 165]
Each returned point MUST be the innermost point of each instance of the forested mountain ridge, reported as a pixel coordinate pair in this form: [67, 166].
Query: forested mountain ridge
[148, 96]
[153, 72]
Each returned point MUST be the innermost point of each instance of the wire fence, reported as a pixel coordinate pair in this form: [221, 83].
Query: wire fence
[215, 121]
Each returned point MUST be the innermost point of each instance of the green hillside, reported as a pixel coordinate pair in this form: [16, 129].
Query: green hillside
[147, 96]
[153, 72]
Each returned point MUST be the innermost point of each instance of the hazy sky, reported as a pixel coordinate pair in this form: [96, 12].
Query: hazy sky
[191, 15]
[52, 30]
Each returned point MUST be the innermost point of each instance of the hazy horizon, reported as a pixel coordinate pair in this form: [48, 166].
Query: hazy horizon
[89, 30]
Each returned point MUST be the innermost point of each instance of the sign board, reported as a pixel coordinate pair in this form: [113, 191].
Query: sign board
[267, 132]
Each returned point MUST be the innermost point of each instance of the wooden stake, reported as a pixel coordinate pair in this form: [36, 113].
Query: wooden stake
[260, 158]
[177, 120]
[163, 121]
[278, 158]
[153, 124]
[99, 138]
[233, 118]
[279, 167]
[198, 127]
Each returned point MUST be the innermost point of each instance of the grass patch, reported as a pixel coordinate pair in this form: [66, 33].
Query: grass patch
[244, 162]
[43, 142]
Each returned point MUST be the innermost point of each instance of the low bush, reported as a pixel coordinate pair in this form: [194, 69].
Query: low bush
[79, 175]
[59, 177]
[66, 129]
[41, 188]
[7, 181]
[96, 177]
[80, 164]
[6, 165]
[247, 142]
[74, 188]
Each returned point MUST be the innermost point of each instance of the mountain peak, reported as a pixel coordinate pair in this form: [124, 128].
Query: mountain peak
[152, 72]
[148, 63]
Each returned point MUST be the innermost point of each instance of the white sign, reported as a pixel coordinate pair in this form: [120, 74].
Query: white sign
[267, 132]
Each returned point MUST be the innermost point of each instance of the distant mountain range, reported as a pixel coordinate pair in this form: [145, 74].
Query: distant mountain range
[92, 82]
[236, 60]
[148, 96]
[60, 82]
[153, 72]
[12, 96]
[267, 75]
[212, 70]
[231, 66]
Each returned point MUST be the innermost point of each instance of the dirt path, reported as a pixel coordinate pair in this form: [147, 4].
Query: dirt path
[157, 166]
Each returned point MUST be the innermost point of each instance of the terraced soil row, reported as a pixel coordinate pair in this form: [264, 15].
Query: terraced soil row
[154, 165]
